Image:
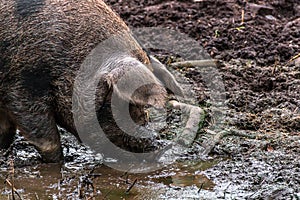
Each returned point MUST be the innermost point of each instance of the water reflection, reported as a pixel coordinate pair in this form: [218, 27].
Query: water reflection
[48, 181]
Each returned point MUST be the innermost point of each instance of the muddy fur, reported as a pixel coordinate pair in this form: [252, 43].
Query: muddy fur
[43, 43]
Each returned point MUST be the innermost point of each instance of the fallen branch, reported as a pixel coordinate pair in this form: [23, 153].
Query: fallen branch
[194, 63]
[196, 117]
[218, 136]
[208, 145]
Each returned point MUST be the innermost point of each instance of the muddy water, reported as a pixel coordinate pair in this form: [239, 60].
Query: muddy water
[241, 169]
[72, 182]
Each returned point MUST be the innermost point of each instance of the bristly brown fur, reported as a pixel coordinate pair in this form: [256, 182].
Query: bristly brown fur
[42, 47]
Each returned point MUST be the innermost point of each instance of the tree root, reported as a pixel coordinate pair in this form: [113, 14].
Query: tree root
[196, 116]
[218, 136]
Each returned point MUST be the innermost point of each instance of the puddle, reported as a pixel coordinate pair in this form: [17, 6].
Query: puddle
[252, 172]
[185, 174]
[53, 182]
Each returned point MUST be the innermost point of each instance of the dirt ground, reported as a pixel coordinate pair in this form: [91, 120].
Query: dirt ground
[262, 90]
[261, 86]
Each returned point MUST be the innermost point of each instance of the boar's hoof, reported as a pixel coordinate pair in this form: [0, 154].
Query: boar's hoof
[53, 156]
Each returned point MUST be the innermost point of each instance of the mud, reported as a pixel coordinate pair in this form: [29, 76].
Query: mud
[269, 34]
[262, 102]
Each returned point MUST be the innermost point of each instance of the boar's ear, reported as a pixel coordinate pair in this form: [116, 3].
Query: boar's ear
[165, 76]
[132, 81]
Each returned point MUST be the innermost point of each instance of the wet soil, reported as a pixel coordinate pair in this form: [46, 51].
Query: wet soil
[262, 90]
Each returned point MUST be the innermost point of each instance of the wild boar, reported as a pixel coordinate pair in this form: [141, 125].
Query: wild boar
[43, 43]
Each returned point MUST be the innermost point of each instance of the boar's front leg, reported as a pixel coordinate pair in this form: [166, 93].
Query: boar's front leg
[35, 120]
[7, 129]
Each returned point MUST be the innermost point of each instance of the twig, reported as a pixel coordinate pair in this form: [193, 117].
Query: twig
[243, 11]
[200, 188]
[131, 186]
[107, 193]
[225, 191]
[217, 137]
[87, 182]
[13, 189]
[125, 174]
[243, 16]
[12, 175]
[292, 59]
[36, 196]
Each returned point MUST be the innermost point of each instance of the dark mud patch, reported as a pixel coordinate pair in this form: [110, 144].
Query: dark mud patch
[270, 33]
[265, 99]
